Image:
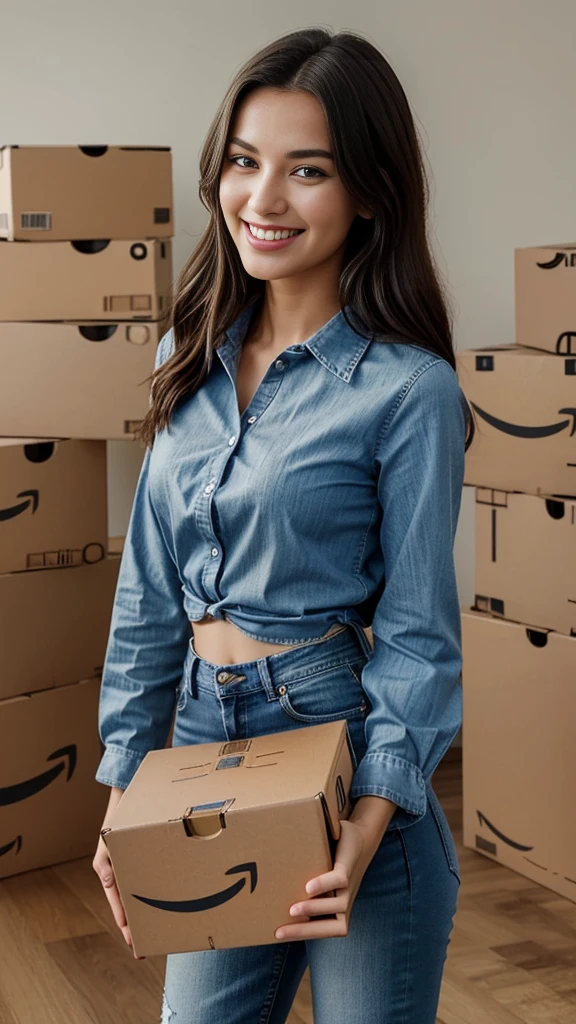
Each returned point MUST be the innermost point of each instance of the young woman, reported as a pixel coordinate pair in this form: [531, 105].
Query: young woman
[302, 480]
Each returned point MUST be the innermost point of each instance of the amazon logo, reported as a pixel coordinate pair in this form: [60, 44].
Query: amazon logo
[560, 257]
[16, 845]
[32, 499]
[505, 839]
[518, 430]
[22, 790]
[215, 899]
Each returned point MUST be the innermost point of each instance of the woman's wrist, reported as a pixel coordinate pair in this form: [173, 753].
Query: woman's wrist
[373, 813]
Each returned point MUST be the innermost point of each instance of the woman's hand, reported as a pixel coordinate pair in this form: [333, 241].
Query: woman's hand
[359, 840]
[103, 867]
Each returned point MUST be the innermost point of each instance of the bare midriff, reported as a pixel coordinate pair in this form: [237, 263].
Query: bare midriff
[222, 643]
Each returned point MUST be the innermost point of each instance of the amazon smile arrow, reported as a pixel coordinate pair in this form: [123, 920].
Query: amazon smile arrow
[207, 902]
[22, 790]
[32, 498]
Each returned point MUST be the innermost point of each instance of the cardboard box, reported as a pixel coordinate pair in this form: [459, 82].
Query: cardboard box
[64, 192]
[525, 564]
[96, 372]
[519, 768]
[54, 625]
[212, 843]
[85, 280]
[53, 503]
[546, 297]
[51, 807]
[525, 409]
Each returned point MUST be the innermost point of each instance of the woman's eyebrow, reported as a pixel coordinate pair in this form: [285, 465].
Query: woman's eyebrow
[294, 154]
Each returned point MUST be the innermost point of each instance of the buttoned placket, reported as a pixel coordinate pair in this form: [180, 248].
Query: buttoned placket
[267, 389]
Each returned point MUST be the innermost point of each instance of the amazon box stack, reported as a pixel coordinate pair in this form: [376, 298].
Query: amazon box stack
[519, 638]
[85, 273]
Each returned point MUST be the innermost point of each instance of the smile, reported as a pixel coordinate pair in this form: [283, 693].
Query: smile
[268, 240]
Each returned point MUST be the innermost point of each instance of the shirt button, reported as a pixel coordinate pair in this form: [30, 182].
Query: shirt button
[279, 364]
[231, 440]
[208, 489]
[214, 552]
[252, 419]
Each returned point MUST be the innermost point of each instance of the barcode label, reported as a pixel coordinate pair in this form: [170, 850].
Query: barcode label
[3, 221]
[36, 221]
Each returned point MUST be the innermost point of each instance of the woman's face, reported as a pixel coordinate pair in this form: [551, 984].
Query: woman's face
[268, 182]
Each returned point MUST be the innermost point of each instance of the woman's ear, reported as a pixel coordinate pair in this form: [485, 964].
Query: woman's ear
[365, 213]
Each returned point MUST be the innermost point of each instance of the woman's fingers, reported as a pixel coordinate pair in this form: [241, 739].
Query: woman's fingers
[103, 868]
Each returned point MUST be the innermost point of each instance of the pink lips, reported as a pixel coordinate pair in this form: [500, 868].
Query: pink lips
[260, 243]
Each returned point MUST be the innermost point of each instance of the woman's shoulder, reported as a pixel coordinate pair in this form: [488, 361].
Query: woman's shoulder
[165, 348]
[400, 364]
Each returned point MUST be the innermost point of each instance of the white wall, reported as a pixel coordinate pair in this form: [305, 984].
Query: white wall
[490, 82]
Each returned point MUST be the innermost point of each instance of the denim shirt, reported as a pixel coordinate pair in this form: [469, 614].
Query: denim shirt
[333, 498]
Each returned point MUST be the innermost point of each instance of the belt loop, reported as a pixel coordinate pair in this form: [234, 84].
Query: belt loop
[265, 677]
[362, 638]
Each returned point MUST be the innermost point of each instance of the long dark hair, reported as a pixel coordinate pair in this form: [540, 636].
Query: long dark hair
[388, 275]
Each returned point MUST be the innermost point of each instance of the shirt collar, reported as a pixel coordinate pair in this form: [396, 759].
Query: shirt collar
[336, 345]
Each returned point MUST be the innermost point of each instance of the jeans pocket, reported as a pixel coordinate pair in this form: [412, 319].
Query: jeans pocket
[326, 694]
[330, 694]
[445, 833]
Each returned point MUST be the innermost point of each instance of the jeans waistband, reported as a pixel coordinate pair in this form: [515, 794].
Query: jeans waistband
[272, 669]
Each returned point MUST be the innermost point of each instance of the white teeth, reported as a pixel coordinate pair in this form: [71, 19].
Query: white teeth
[270, 235]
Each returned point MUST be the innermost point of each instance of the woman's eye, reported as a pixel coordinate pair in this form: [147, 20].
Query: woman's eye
[233, 159]
[316, 172]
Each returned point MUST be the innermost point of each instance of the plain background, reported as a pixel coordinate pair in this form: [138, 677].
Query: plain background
[490, 83]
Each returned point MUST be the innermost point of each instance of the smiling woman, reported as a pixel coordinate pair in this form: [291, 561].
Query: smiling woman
[272, 191]
[301, 483]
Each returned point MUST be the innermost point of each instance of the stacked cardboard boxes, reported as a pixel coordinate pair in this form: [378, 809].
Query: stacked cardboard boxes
[85, 274]
[519, 638]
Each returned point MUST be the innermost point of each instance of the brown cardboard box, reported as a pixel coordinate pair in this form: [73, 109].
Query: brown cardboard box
[546, 297]
[51, 807]
[518, 748]
[85, 280]
[54, 625]
[97, 375]
[525, 561]
[53, 503]
[212, 843]
[525, 409]
[63, 192]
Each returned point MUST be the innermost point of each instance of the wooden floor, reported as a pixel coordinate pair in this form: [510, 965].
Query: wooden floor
[62, 960]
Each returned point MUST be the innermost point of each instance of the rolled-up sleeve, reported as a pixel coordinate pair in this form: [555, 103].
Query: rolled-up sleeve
[413, 676]
[147, 643]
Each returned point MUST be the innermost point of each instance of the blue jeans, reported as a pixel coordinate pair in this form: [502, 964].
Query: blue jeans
[388, 968]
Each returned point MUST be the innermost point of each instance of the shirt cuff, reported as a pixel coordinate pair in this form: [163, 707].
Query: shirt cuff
[118, 766]
[392, 777]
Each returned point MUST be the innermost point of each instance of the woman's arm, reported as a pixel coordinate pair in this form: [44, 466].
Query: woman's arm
[413, 677]
[147, 643]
